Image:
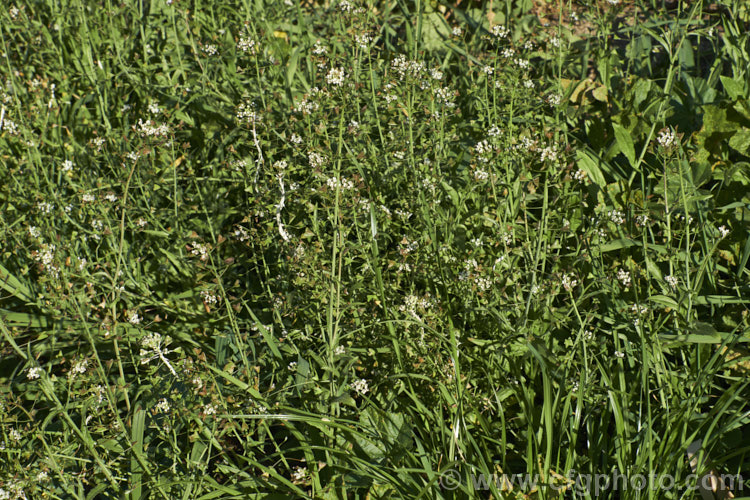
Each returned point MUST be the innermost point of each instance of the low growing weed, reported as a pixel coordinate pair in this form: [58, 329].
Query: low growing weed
[371, 249]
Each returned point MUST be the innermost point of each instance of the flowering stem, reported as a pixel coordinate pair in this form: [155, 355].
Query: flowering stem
[166, 362]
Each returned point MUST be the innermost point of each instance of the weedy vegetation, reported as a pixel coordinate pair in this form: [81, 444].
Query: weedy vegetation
[272, 249]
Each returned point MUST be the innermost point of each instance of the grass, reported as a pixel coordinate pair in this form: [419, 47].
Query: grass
[259, 249]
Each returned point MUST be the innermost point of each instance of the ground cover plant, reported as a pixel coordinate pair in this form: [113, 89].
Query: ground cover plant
[370, 249]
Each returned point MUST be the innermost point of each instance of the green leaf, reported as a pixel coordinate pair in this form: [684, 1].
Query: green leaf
[13, 285]
[664, 301]
[691, 338]
[733, 87]
[291, 68]
[740, 141]
[618, 244]
[625, 142]
[601, 93]
[137, 432]
[745, 256]
[589, 165]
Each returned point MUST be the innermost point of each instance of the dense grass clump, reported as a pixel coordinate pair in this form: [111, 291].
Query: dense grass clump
[373, 249]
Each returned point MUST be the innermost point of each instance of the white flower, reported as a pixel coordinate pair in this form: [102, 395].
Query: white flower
[457, 31]
[67, 166]
[97, 226]
[482, 283]
[636, 309]
[363, 40]
[339, 350]
[153, 108]
[445, 96]
[549, 153]
[494, 131]
[247, 45]
[360, 386]
[319, 49]
[79, 367]
[500, 31]
[481, 175]
[34, 373]
[671, 280]
[209, 410]
[151, 348]
[299, 474]
[210, 50]
[335, 76]
[624, 277]
[316, 160]
[200, 250]
[404, 67]
[45, 207]
[134, 318]
[34, 232]
[162, 406]
[47, 256]
[292, 366]
[724, 231]
[343, 184]
[241, 233]
[522, 63]
[150, 129]
[15, 435]
[616, 216]
[111, 197]
[568, 282]
[246, 112]
[619, 354]
[641, 220]
[666, 138]
[10, 126]
[208, 297]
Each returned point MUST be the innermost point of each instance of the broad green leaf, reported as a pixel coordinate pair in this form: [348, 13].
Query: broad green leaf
[740, 141]
[618, 244]
[589, 165]
[625, 142]
[733, 87]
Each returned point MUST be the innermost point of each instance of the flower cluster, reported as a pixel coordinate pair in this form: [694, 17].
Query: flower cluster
[150, 129]
[666, 138]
